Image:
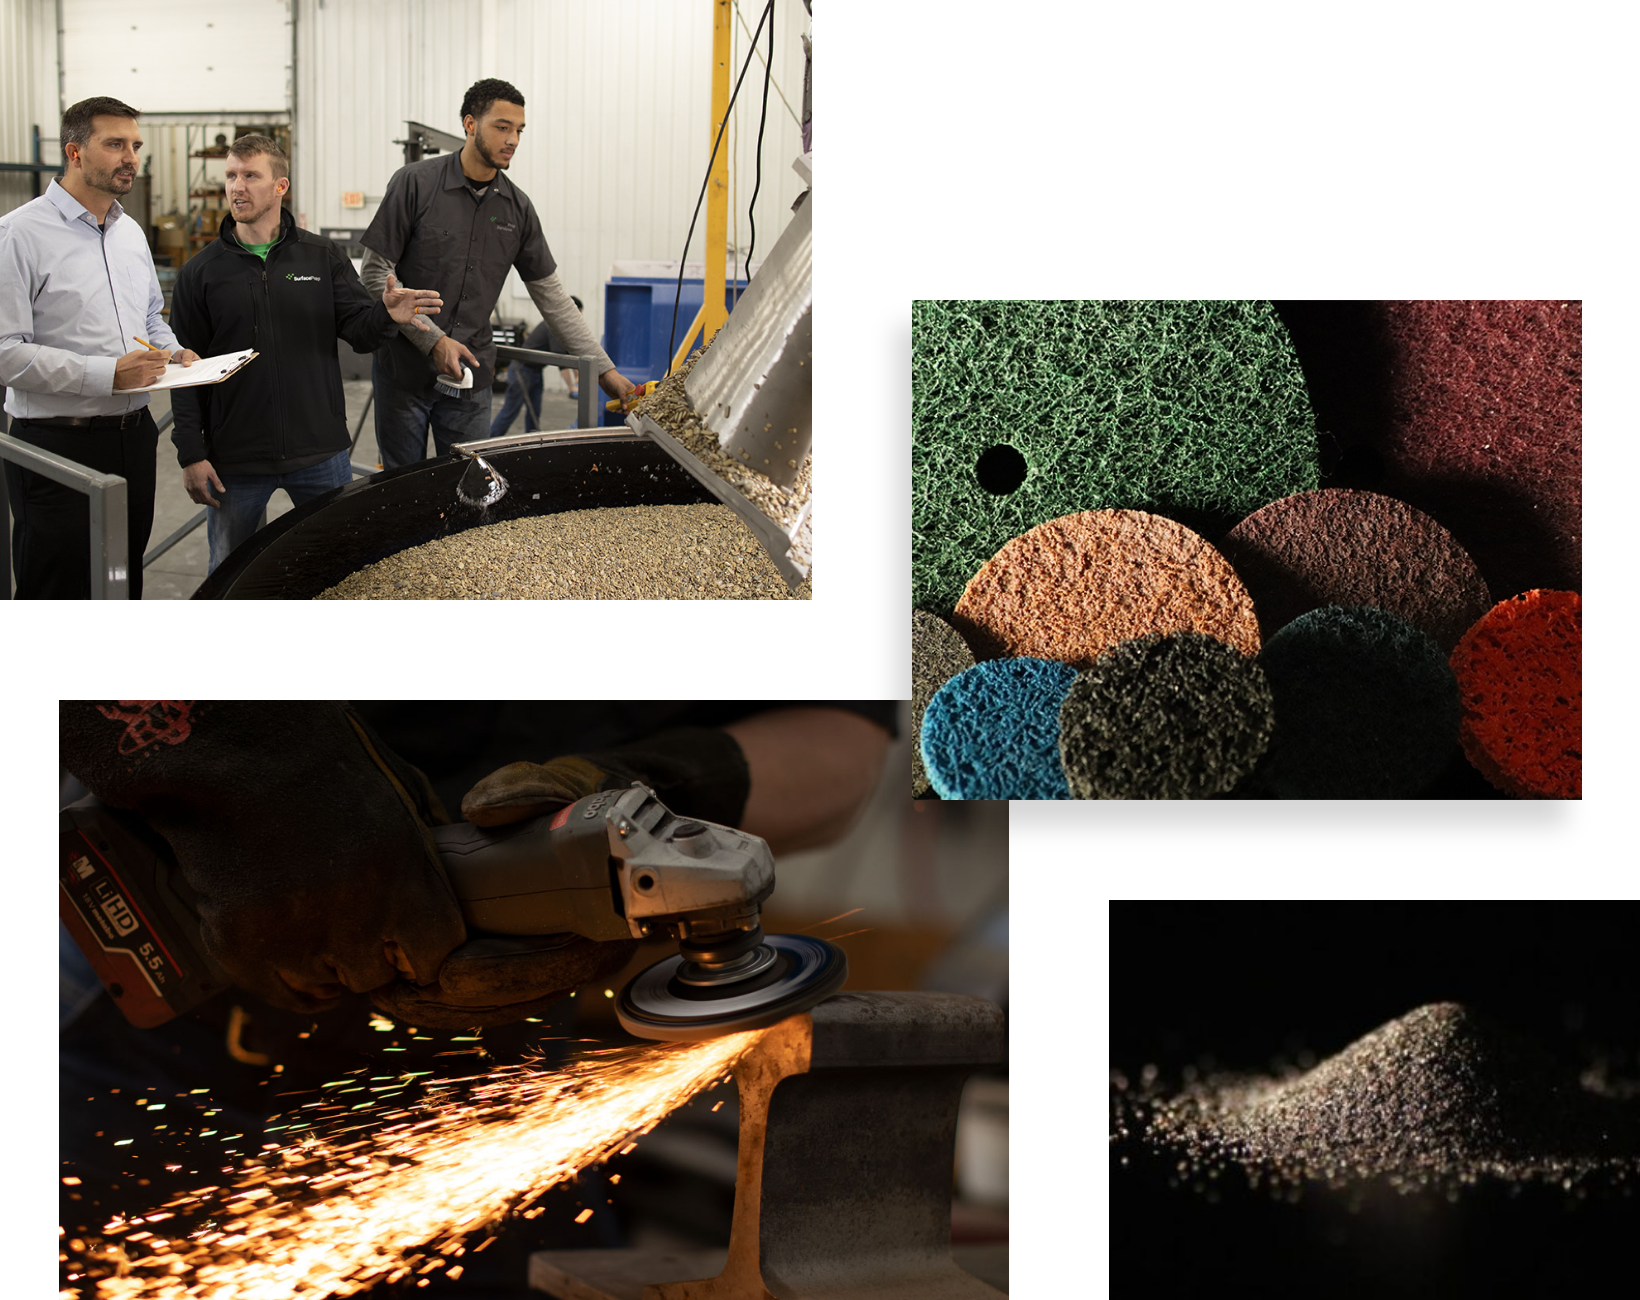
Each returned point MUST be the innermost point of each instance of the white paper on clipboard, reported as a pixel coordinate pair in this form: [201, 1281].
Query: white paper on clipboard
[207, 370]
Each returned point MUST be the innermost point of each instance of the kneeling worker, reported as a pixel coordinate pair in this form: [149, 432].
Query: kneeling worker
[266, 284]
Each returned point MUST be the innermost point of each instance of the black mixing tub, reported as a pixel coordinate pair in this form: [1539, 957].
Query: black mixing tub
[316, 545]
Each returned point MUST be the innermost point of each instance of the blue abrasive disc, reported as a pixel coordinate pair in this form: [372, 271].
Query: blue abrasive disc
[992, 732]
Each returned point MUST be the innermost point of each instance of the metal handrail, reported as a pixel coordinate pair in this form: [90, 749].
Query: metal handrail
[586, 414]
[110, 575]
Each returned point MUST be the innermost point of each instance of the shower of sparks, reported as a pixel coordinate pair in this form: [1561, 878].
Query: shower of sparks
[331, 1217]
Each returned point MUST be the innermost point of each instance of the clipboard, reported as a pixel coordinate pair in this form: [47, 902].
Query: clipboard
[207, 370]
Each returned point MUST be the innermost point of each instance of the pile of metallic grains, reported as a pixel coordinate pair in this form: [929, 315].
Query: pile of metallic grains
[1439, 1099]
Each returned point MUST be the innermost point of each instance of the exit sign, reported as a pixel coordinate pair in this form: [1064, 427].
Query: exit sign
[353, 199]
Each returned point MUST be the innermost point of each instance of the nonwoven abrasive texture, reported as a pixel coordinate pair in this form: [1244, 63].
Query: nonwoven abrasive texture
[1195, 409]
[938, 653]
[992, 732]
[1341, 547]
[1486, 431]
[1520, 680]
[1366, 707]
[1071, 588]
[1176, 717]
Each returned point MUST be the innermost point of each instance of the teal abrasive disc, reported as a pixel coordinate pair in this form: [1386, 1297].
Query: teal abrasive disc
[1366, 707]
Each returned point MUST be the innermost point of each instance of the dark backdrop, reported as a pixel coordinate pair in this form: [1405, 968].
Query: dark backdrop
[1239, 983]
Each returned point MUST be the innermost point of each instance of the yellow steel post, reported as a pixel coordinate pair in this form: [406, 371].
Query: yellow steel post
[717, 189]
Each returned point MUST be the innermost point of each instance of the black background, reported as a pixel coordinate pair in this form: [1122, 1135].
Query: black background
[1237, 984]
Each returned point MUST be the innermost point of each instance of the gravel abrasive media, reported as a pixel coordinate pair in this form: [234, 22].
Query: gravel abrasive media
[1177, 717]
[938, 654]
[1337, 546]
[670, 552]
[992, 732]
[1071, 588]
[669, 406]
[1439, 1099]
[1520, 680]
[1366, 707]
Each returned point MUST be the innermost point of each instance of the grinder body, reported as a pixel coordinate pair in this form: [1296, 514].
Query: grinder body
[614, 865]
[623, 865]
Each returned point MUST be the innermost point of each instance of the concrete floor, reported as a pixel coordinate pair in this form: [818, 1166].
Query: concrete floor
[176, 574]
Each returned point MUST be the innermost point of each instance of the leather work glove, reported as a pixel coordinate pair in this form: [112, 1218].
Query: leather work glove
[492, 979]
[694, 771]
[305, 838]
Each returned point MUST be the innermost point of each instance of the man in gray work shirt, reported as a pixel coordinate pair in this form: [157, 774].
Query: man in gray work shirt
[456, 224]
[77, 293]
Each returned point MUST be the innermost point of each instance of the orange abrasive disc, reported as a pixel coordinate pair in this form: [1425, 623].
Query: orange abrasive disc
[1073, 587]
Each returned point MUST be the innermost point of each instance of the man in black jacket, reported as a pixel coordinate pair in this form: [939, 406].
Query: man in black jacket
[280, 422]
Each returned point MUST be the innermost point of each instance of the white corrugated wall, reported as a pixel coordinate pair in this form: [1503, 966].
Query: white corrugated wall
[617, 102]
[617, 96]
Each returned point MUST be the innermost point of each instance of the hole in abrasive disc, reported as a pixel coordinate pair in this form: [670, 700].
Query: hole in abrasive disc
[1001, 469]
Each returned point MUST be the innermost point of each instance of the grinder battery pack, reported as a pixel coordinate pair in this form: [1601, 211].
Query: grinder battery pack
[124, 901]
[613, 865]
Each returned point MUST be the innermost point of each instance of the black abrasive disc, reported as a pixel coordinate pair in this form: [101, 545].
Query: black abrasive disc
[661, 1003]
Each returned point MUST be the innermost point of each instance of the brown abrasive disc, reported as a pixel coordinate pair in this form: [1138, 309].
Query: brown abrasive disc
[1073, 587]
[1349, 548]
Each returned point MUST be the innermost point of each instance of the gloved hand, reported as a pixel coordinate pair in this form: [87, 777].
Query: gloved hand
[694, 771]
[305, 838]
[491, 980]
[500, 979]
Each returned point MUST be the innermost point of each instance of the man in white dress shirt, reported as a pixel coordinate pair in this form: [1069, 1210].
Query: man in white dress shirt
[77, 290]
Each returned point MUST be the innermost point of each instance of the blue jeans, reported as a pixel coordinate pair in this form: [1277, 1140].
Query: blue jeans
[234, 522]
[402, 419]
[522, 382]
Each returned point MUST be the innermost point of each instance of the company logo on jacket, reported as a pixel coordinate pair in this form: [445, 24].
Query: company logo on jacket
[291, 275]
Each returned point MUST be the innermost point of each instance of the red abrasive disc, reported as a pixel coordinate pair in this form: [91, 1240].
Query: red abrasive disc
[1073, 587]
[1343, 547]
[1486, 431]
[1520, 677]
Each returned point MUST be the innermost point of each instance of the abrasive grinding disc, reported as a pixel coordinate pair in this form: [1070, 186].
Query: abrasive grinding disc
[1176, 717]
[666, 1002]
[1366, 707]
[1073, 587]
[1025, 411]
[938, 653]
[1338, 546]
[1520, 680]
[992, 732]
[1485, 413]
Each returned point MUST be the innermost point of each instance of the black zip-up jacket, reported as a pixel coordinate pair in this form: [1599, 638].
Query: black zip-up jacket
[284, 411]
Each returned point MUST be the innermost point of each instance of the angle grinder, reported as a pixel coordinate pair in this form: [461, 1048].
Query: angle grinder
[613, 865]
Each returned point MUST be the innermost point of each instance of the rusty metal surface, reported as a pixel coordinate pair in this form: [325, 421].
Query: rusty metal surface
[847, 1128]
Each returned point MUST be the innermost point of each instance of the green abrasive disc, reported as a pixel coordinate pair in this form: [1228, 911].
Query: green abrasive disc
[1025, 411]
